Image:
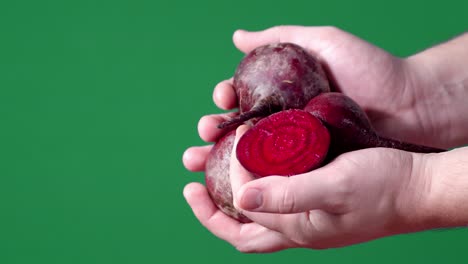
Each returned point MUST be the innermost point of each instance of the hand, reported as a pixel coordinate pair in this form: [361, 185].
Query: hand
[362, 71]
[394, 92]
[367, 74]
[360, 196]
[387, 87]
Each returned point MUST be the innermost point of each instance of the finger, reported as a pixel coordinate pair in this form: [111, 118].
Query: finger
[314, 226]
[208, 126]
[238, 174]
[208, 214]
[311, 226]
[319, 40]
[246, 41]
[262, 240]
[245, 237]
[320, 189]
[194, 158]
[224, 95]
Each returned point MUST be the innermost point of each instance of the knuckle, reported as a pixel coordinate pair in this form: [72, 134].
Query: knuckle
[344, 192]
[280, 28]
[288, 201]
[332, 29]
[338, 205]
[281, 32]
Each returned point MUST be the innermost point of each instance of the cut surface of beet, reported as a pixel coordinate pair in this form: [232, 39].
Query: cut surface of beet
[286, 143]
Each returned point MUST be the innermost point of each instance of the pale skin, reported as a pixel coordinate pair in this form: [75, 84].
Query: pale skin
[361, 195]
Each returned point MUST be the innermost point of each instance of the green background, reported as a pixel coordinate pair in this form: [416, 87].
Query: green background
[99, 99]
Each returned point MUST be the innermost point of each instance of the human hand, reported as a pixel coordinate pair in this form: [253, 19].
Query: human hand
[394, 92]
[407, 114]
[342, 54]
[386, 87]
[358, 197]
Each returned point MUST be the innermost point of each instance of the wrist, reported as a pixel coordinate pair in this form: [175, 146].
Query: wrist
[436, 193]
[447, 203]
[414, 208]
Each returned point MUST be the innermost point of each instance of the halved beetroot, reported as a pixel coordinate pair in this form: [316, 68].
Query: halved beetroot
[286, 143]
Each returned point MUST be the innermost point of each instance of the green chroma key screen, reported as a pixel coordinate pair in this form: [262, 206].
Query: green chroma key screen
[99, 99]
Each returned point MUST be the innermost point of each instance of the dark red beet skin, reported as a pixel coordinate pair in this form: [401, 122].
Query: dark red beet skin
[350, 127]
[286, 143]
[217, 177]
[276, 77]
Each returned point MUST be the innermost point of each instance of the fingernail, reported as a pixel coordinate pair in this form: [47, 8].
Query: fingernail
[251, 199]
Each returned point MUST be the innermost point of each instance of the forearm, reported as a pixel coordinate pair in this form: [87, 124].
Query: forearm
[446, 63]
[441, 74]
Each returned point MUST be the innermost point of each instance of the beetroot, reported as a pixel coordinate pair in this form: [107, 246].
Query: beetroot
[350, 127]
[217, 178]
[286, 143]
[276, 77]
[296, 141]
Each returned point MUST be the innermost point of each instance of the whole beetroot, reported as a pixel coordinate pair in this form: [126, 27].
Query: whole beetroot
[350, 127]
[217, 177]
[276, 77]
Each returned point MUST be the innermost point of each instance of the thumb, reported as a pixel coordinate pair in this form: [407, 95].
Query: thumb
[295, 194]
[238, 174]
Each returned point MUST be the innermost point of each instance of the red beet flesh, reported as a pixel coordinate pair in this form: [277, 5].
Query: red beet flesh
[276, 77]
[286, 143]
[350, 127]
[217, 177]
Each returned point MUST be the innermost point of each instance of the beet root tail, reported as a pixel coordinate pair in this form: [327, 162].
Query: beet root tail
[397, 144]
